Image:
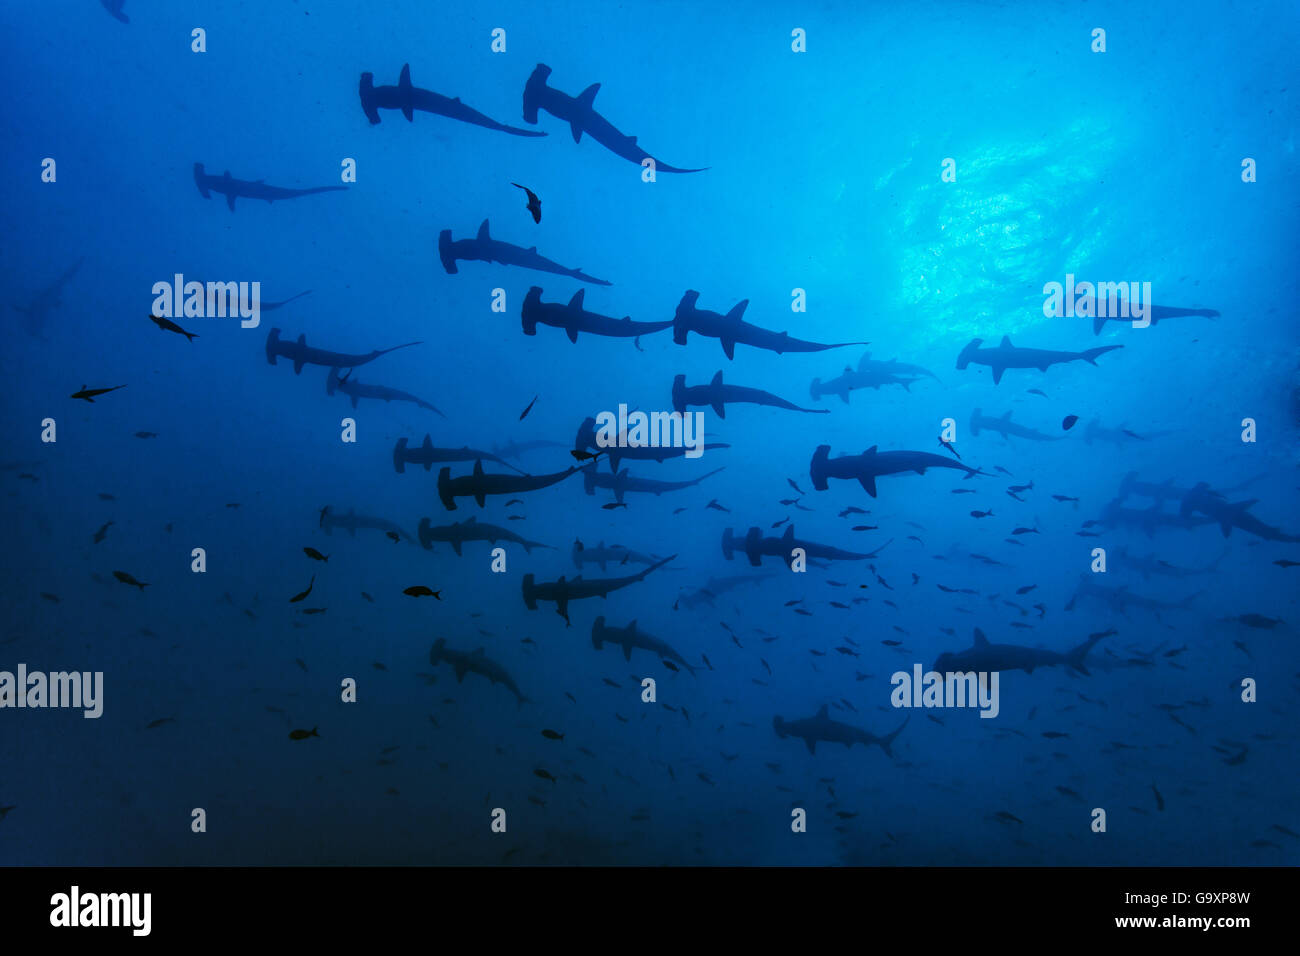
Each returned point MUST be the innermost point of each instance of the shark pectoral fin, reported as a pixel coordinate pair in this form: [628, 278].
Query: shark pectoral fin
[729, 348]
[576, 130]
[461, 670]
[868, 483]
[627, 652]
[997, 373]
[230, 200]
[812, 745]
[572, 333]
[456, 546]
[481, 499]
[720, 409]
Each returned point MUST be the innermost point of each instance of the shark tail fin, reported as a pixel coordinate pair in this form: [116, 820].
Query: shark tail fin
[1074, 658]
[1097, 322]
[1091, 355]
[886, 742]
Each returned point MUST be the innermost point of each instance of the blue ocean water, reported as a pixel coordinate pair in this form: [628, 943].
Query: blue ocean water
[826, 174]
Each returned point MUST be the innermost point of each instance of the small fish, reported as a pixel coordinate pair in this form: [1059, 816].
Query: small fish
[127, 579]
[1037, 391]
[514, 501]
[102, 532]
[314, 610]
[1026, 531]
[534, 207]
[1054, 734]
[160, 721]
[88, 394]
[524, 413]
[302, 734]
[616, 504]
[866, 527]
[963, 491]
[1026, 589]
[545, 775]
[1065, 498]
[552, 735]
[850, 510]
[982, 514]
[1284, 563]
[717, 507]
[105, 496]
[301, 663]
[367, 597]
[394, 535]
[1003, 470]
[315, 555]
[419, 590]
[581, 455]
[678, 511]
[777, 524]
[670, 665]
[50, 597]
[167, 325]
[146, 434]
[1160, 801]
[1069, 421]
[300, 597]
[792, 484]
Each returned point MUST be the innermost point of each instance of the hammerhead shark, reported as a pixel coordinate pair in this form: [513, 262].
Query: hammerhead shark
[630, 637]
[1007, 356]
[983, 657]
[1148, 520]
[1167, 490]
[48, 299]
[271, 306]
[717, 395]
[871, 464]
[352, 522]
[300, 353]
[459, 532]
[583, 118]
[573, 318]
[89, 394]
[410, 99]
[478, 485]
[114, 7]
[1005, 427]
[352, 387]
[1147, 565]
[731, 329]
[428, 456]
[1230, 514]
[1116, 436]
[821, 728]
[708, 593]
[1154, 314]
[1120, 598]
[622, 482]
[756, 547]
[870, 373]
[602, 555]
[586, 438]
[256, 189]
[474, 662]
[563, 591]
[483, 248]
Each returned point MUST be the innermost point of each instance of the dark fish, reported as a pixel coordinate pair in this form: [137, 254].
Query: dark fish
[717, 507]
[167, 325]
[160, 721]
[394, 535]
[146, 434]
[419, 590]
[790, 481]
[850, 510]
[539, 772]
[1284, 563]
[514, 501]
[982, 514]
[299, 597]
[1037, 391]
[102, 532]
[866, 527]
[963, 491]
[127, 579]
[1065, 498]
[315, 555]
[613, 505]
[367, 597]
[670, 665]
[50, 597]
[1026, 589]
[314, 610]
[535, 207]
[678, 511]
[302, 734]
[105, 496]
[1069, 421]
[524, 413]
[88, 394]
[552, 735]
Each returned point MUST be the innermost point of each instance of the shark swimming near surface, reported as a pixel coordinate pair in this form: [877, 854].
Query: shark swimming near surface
[822, 728]
[352, 387]
[871, 464]
[564, 590]
[983, 658]
[756, 547]
[622, 482]
[479, 484]
[483, 248]
[428, 456]
[1007, 356]
[582, 117]
[573, 318]
[732, 330]
[474, 662]
[255, 189]
[300, 353]
[1005, 427]
[717, 395]
[870, 373]
[460, 532]
[631, 637]
[353, 522]
[411, 99]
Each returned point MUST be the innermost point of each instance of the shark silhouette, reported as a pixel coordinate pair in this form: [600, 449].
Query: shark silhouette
[1007, 356]
[300, 353]
[411, 99]
[573, 318]
[256, 189]
[483, 248]
[631, 637]
[871, 464]
[731, 329]
[564, 590]
[717, 395]
[822, 728]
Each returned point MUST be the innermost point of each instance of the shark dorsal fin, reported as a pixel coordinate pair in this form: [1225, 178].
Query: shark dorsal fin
[1007, 416]
[980, 639]
[478, 467]
[578, 297]
[587, 96]
[428, 442]
[871, 450]
[404, 81]
[824, 712]
[1006, 342]
[788, 536]
[483, 231]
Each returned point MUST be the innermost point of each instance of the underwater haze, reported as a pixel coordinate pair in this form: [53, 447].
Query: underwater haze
[735, 642]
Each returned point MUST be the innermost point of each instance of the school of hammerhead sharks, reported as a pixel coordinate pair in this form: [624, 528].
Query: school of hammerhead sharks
[1166, 504]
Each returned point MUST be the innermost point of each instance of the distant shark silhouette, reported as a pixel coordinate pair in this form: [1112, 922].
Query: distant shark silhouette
[822, 728]
[1230, 514]
[579, 113]
[1154, 314]
[1117, 436]
[483, 248]
[603, 555]
[352, 387]
[300, 353]
[870, 373]
[411, 99]
[256, 189]
[474, 662]
[632, 637]
[114, 7]
[731, 329]
[1120, 599]
[1148, 520]
[756, 547]
[353, 522]
[1005, 427]
[573, 318]
[563, 591]
[586, 438]
[983, 657]
[459, 532]
[1007, 356]
[622, 482]
[428, 456]
[871, 464]
[480, 484]
[48, 299]
[717, 395]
